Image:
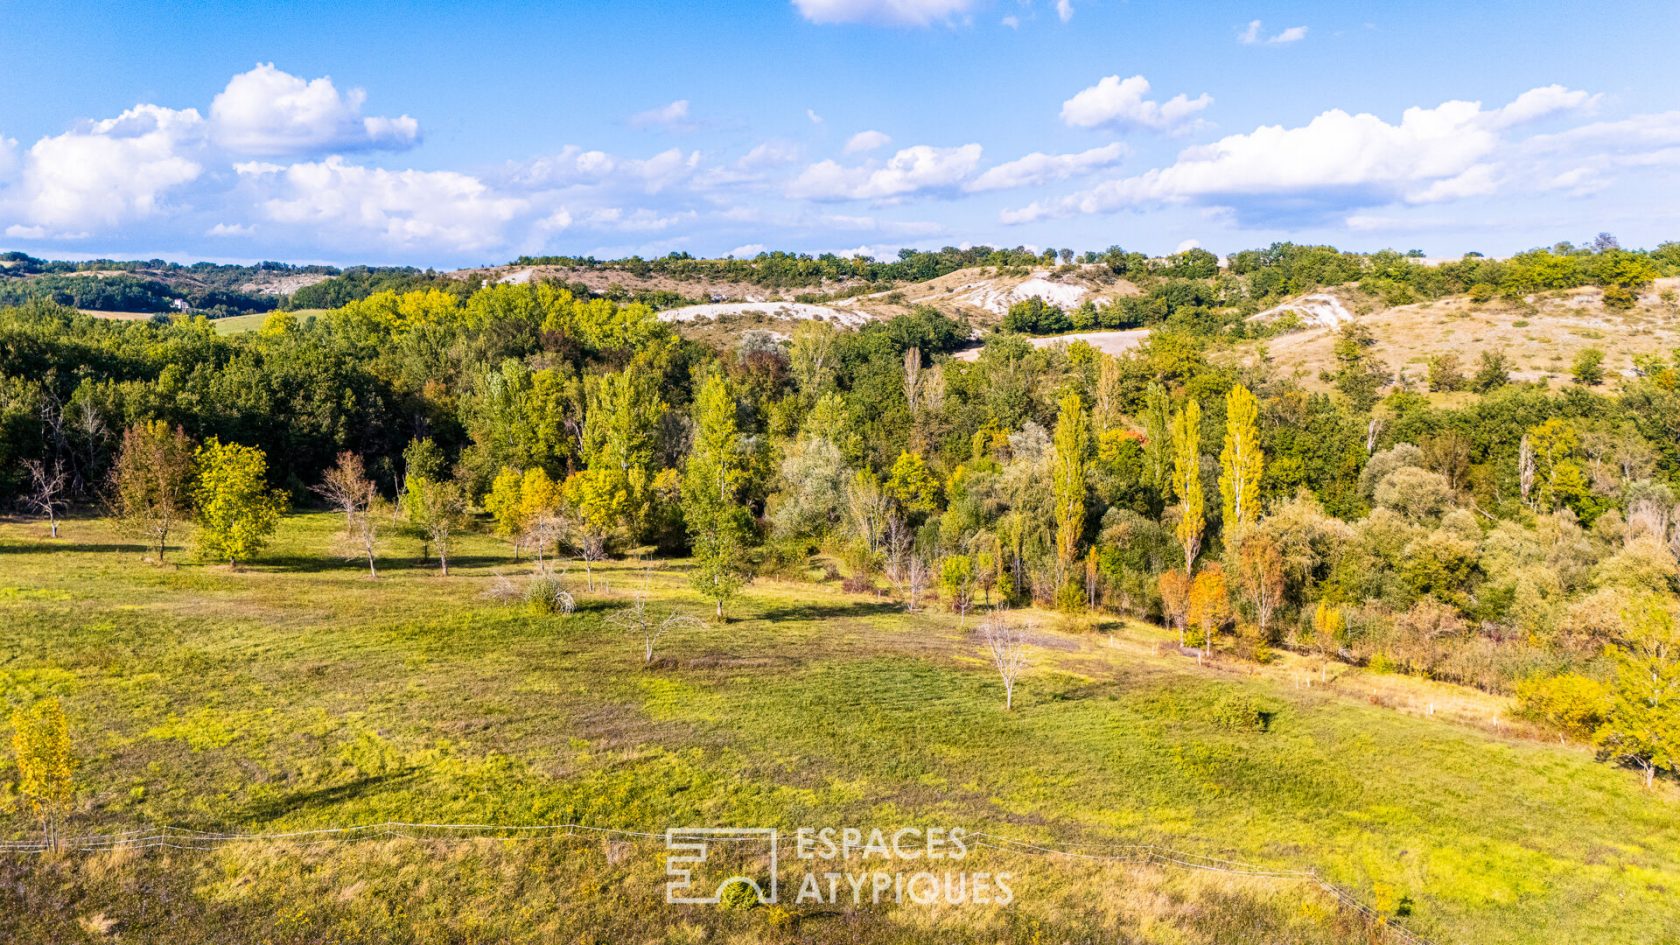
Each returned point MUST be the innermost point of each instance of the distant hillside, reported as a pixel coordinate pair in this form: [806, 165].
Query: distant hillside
[153, 286]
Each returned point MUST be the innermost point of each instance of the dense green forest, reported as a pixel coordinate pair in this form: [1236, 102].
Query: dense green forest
[1514, 537]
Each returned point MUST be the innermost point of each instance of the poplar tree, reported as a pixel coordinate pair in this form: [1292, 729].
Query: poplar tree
[1187, 481]
[718, 523]
[619, 430]
[1240, 462]
[1070, 443]
[1157, 443]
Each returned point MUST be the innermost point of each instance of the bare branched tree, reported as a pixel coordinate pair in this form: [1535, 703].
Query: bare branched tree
[639, 620]
[916, 573]
[543, 532]
[1008, 649]
[866, 509]
[896, 541]
[591, 545]
[351, 493]
[47, 484]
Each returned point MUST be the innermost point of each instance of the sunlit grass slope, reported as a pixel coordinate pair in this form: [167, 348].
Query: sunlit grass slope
[297, 693]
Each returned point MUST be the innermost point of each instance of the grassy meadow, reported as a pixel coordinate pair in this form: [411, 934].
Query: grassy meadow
[296, 694]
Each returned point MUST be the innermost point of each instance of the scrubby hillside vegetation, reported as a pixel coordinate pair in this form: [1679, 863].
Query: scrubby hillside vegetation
[1454, 522]
[153, 286]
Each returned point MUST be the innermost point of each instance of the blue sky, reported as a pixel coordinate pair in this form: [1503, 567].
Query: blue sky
[449, 134]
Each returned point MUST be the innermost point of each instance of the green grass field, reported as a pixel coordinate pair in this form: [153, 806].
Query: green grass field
[297, 693]
[240, 324]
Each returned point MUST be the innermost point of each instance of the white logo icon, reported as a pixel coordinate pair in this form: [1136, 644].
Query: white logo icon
[689, 848]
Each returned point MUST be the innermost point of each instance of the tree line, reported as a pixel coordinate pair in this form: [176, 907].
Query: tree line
[1521, 540]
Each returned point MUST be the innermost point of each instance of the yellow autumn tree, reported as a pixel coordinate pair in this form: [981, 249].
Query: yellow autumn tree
[1210, 604]
[46, 769]
[1175, 599]
[1240, 462]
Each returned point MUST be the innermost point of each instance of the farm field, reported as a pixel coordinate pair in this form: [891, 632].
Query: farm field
[297, 694]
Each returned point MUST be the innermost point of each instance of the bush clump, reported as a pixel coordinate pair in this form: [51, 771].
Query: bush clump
[545, 595]
[1239, 713]
[1570, 703]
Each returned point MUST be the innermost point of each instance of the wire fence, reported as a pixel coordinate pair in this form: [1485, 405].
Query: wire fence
[182, 838]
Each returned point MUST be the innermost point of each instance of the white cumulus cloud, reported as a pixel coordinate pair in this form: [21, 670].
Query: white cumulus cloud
[267, 111]
[8, 158]
[575, 166]
[1254, 35]
[1544, 102]
[1041, 168]
[353, 205]
[1125, 102]
[866, 141]
[1452, 151]
[912, 170]
[884, 12]
[106, 173]
[674, 115]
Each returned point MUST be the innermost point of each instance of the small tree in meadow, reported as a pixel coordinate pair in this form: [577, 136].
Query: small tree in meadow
[45, 766]
[352, 494]
[641, 621]
[1175, 600]
[1329, 626]
[237, 512]
[47, 484]
[597, 502]
[1260, 577]
[437, 510]
[1007, 647]
[956, 580]
[1210, 604]
[151, 483]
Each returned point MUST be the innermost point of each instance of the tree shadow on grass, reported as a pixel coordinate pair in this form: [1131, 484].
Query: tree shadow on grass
[61, 545]
[319, 564]
[826, 610]
[276, 808]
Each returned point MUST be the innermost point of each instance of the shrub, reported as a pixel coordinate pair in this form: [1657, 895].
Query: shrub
[1034, 316]
[1570, 703]
[1493, 371]
[1589, 367]
[1446, 372]
[1240, 713]
[545, 595]
[737, 897]
[1616, 296]
[858, 584]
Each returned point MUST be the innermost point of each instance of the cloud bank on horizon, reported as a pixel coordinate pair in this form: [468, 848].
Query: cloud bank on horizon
[280, 161]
